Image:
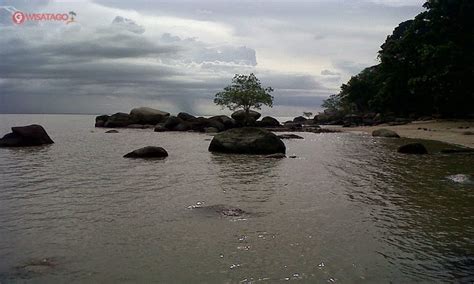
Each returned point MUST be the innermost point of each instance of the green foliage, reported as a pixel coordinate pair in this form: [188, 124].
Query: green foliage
[245, 92]
[426, 66]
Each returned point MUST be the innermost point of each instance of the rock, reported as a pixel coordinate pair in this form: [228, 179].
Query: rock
[160, 128]
[413, 148]
[276, 156]
[147, 115]
[171, 122]
[269, 121]
[22, 136]
[211, 130]
[289, 136]
[247, 140]
[183, 126]
[299, 119]
[120, 119]
[240, 115]
[224, 119]
[293, 125]
[111, 131]
[101, 120]
[185, 116]
[468, 133]
[385, 133]
[148, 152]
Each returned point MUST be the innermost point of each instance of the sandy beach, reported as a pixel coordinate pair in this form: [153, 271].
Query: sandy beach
[449, 131]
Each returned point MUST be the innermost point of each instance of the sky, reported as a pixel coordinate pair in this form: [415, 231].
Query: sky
[175, 55]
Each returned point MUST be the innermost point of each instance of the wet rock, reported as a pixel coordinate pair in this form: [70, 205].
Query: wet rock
[183, 126]
[23, 136]
[111, 131]
[185, 116]
[148, 152]
[289, 136]
[293, 125]
[247, 140]
[147, 115]
[468, 133]
[385, 133]
[413, 148]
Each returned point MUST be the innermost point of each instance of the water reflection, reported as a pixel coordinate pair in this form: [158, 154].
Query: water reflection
[251, 178]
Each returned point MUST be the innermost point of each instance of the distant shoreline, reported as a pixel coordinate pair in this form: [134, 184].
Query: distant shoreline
[448, 131]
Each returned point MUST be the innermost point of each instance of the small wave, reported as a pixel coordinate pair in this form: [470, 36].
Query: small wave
[461, 178]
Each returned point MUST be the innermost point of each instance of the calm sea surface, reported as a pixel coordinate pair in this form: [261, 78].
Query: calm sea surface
[348, 209]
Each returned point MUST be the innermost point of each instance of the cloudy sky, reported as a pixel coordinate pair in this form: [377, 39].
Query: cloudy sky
[175, 55]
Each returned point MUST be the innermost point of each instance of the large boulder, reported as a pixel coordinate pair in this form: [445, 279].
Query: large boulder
[385, 133]
[300, 119]
[171, 122]
[413, 148]
[268, 121]
[240, 115]
[224, 119]
[185, 116]
[247, 140]
[101, 120]
[22, 136]
[147, 115]
[120, 119]
[148, 152]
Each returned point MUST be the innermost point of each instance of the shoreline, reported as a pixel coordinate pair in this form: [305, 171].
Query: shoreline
[448, 131]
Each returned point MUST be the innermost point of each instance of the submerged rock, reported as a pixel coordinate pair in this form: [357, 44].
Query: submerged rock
[111, 131]
[289, 136]
[247, 140]
[413, 148]
[223, 210]
[148, 152]
[23, 136]
[385, 133]
[457, 151]
[276, 156]
[34, 268]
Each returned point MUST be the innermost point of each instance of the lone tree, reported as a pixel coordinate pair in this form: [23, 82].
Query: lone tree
[245, 92]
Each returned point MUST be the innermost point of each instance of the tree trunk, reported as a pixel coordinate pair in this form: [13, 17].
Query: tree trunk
[247, 116]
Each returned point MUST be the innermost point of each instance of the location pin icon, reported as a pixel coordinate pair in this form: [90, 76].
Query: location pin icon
[18, 17]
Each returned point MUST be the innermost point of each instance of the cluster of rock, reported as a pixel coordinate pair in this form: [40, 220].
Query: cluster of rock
[145, 117]
[367, 119]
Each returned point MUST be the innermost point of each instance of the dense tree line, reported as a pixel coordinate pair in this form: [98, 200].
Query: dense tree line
[426, 67]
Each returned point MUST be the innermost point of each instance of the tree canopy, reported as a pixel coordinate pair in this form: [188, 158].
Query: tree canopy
[245, 92]
[426, 67]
